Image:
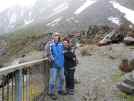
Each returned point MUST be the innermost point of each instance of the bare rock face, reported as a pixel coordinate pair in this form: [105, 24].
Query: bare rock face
[127, 85]
[2, 51]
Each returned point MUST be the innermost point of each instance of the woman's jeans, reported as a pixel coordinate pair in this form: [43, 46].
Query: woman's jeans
[69, 78]
[56, 79]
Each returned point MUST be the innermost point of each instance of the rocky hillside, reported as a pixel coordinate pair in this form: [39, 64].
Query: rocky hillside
[67, 15]
[26, 27]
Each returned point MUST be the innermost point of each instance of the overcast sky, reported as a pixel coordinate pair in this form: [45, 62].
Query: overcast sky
[4, 4]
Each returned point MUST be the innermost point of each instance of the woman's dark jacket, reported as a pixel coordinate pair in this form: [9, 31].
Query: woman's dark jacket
[69, 58]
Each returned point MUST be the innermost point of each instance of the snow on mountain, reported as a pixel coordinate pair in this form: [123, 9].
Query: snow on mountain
[128, 13]
[84, 6]
[64, 15]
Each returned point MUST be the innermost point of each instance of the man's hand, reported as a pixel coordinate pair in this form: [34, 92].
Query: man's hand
[50, 60]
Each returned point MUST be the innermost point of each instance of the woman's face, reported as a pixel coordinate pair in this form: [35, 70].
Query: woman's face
[66, 44]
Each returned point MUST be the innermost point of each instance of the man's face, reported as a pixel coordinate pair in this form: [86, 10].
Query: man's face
[56, 38]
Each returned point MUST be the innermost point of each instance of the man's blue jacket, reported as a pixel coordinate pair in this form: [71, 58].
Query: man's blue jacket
[57, 54]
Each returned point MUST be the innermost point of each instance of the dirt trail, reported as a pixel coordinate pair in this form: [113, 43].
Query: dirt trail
[95, 75]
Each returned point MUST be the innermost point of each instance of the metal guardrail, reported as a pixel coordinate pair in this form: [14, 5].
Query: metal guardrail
[25, 81]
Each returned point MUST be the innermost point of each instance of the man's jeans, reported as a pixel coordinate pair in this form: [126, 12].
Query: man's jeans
[56, 76]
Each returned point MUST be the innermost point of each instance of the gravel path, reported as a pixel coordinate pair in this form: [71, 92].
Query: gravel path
[95, 75]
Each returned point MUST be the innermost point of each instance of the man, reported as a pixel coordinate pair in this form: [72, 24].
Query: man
[57, 69]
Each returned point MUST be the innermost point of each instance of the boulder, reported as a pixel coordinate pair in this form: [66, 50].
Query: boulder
[129, 40]
[112, 37]
[106, 40]
[126, 88]
[129, 79]
[127, 85]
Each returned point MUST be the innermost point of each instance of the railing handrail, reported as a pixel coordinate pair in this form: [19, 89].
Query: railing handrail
[12, 68]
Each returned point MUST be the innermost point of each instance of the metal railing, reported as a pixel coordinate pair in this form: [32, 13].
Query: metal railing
[24, 82]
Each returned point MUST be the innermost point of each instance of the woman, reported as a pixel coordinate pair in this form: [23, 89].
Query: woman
[70, 62]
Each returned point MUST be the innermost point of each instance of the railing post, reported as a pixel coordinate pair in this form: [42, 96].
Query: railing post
[23, 89]
[12, 86]
[19, 86]
[3, 90]
[28, 85]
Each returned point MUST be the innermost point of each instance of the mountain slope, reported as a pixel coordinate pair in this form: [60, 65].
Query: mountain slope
[64, 15]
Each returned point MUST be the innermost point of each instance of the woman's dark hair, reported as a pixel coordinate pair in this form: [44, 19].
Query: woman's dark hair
[66, 39]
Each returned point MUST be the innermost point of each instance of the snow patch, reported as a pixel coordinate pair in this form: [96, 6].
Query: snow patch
[55, 22]
[84, 6]
[114, 20]
[72, 19]
[28, 21]
[61, 7]
[129, 13]
[13, 18]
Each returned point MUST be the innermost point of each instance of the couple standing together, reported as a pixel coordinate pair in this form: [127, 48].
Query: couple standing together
[63, 61]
